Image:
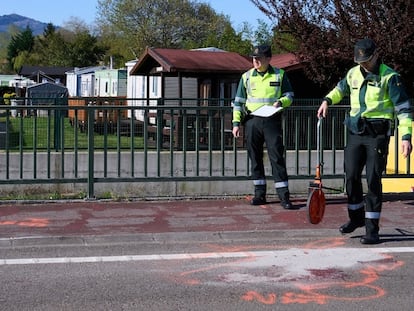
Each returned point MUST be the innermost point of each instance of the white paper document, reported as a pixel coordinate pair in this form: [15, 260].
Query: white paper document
[266, 111]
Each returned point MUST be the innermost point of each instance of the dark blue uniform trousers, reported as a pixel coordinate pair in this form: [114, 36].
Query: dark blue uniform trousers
[258, 131]
[371, 152]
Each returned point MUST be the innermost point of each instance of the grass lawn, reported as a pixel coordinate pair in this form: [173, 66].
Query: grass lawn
[39, 132]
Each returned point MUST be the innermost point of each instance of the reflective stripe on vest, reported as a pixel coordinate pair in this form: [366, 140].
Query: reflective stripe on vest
[259, 90]
[369, 97]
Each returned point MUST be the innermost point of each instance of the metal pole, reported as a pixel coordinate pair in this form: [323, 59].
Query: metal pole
[91, 155]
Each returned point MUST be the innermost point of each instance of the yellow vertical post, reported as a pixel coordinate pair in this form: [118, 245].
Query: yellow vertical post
[396, 164]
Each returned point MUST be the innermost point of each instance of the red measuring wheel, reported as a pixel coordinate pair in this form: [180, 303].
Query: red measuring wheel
[316, 198]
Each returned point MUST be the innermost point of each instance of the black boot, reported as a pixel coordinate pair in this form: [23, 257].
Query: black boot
[357, 220]
[259, 195]
[372, 229]
[284, 196]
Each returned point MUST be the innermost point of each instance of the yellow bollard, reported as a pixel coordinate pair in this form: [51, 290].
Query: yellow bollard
[397, 184]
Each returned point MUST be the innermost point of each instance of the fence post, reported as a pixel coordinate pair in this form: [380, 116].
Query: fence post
[59, 120]
[91, 155]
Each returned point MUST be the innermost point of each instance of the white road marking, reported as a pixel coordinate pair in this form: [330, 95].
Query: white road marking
[296, 258]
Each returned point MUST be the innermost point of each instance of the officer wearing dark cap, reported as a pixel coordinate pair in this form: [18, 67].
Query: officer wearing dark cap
[262, 51]
[377, 97]
[364, 50]
[264, 85]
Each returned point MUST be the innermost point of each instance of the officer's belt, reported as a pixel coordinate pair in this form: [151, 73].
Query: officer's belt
[374, 127]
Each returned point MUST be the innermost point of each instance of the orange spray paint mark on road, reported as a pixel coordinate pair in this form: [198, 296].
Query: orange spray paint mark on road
[325, 243]
[291, 298]
[249, 199]
[270, 299]
[363, 288]
[32, 223]
[183, 275]
[314, 293]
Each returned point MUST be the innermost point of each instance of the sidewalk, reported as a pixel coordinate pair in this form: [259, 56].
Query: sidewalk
[96, 218]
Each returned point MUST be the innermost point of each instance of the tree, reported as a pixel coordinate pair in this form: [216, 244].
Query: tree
[75, 25]
[84, 50]
[73, 46]
[135, 24]
[324, 31]
[21, 43]
[50, 48]
[4, 42]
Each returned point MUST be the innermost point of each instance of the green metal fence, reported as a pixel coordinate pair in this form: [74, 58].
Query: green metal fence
[95, 140]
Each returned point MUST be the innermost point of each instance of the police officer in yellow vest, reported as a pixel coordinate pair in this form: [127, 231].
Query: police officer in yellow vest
[260, 86]
[377, 97]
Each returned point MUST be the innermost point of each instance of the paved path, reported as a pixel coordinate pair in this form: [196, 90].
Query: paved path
[98, 218]
[232, 256]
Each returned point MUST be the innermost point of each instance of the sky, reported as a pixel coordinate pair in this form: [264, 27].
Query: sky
[58, 12]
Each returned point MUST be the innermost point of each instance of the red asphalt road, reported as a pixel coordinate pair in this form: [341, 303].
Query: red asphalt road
[94, 218]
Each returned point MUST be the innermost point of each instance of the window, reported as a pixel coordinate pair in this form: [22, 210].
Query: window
[205, 92]
[114, 88]
[154, 85]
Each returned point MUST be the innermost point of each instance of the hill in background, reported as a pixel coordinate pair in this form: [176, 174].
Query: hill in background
[21, 22]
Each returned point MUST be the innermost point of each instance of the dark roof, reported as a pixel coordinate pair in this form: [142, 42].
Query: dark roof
[190, 61]
[47, 86]
[286, 61]
[46, 90]
[50, 71]
[160, 60]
